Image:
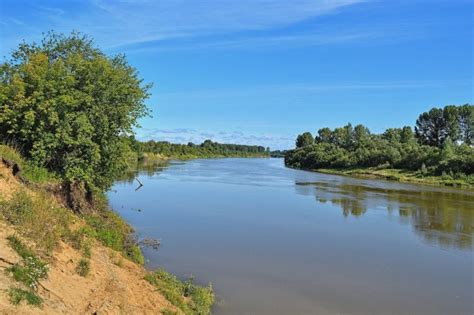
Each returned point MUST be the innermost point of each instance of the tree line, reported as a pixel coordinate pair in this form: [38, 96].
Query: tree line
[72, 109]
[440, 144]
[206, 149]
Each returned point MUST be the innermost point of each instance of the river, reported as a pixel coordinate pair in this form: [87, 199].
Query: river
[274, 240]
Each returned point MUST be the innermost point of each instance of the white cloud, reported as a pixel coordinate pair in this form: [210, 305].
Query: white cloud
[143, 21]
[115, 23]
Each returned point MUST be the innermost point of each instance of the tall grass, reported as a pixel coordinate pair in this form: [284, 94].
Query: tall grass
[109, 228]
[29, 171]
[188, 297]
[38, 217]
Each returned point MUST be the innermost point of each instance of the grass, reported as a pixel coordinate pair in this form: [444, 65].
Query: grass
[37, 217]
[188, 297]
[31, 269]
[114, 232]
[29, 171]
[28, 272]
[83, 267]
[404, 176]
[17, 295]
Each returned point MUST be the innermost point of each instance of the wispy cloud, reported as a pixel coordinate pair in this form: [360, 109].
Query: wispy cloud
[305, 89]
[119, 23]
[260, 42]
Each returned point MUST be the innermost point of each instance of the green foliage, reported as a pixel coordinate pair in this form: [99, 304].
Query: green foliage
[188, 297]
[349, 148]
[114, 232]
[83, 267]
[304, 140]
[31, 269]
[167, 312]
[17, 295]
[67, 106]
[207, 149]
[37, 217]
[456, 122]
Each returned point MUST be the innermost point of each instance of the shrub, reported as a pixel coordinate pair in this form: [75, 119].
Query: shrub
[83, 267]
[58, 120]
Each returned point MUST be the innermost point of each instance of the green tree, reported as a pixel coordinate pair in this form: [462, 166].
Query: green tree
[406, 135]
[69, 107]
[361, 135]
[448, 150]
[324, 136]
[451, 118]
[304, 139]
[431, 127]
[466, 123]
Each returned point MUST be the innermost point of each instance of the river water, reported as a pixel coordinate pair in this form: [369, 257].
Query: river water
[273, 240]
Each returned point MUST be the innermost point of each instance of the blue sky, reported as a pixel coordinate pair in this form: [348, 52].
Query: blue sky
[262, 71]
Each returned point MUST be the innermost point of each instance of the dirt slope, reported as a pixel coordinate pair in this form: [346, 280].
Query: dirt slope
[114, 285]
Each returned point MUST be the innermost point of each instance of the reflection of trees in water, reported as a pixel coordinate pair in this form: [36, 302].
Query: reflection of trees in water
[145, 167]
[439, 216]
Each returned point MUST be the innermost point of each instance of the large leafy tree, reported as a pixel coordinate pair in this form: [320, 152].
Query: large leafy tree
[456, 122]
[68, 107]
[431, 127]
[466, 123]
[304, 139]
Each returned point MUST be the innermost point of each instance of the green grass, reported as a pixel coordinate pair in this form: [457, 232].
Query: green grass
[83, 267]
[109, 228]
[37, 218]
[29, 171]
[188, 297]
[31, 269]
[464, 181]
[17, 295]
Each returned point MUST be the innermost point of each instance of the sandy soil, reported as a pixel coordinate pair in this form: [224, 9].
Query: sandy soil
[114, 285]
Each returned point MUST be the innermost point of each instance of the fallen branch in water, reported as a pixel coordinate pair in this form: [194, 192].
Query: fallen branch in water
[141, 184]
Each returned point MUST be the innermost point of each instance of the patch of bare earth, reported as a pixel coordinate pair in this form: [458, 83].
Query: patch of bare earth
[113, 286]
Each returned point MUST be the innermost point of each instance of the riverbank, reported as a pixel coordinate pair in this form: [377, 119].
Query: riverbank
[398, 175]
[54, 260]
[149, 156]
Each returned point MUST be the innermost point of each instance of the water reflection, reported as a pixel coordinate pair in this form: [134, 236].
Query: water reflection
[440, 216]
[143, 167]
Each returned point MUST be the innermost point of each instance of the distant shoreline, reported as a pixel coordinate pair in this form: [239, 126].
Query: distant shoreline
[397, 175]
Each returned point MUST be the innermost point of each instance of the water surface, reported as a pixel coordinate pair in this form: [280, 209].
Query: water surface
[274, 240]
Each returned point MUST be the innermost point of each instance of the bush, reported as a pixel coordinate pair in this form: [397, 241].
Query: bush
[83, 267]
[53, 96]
